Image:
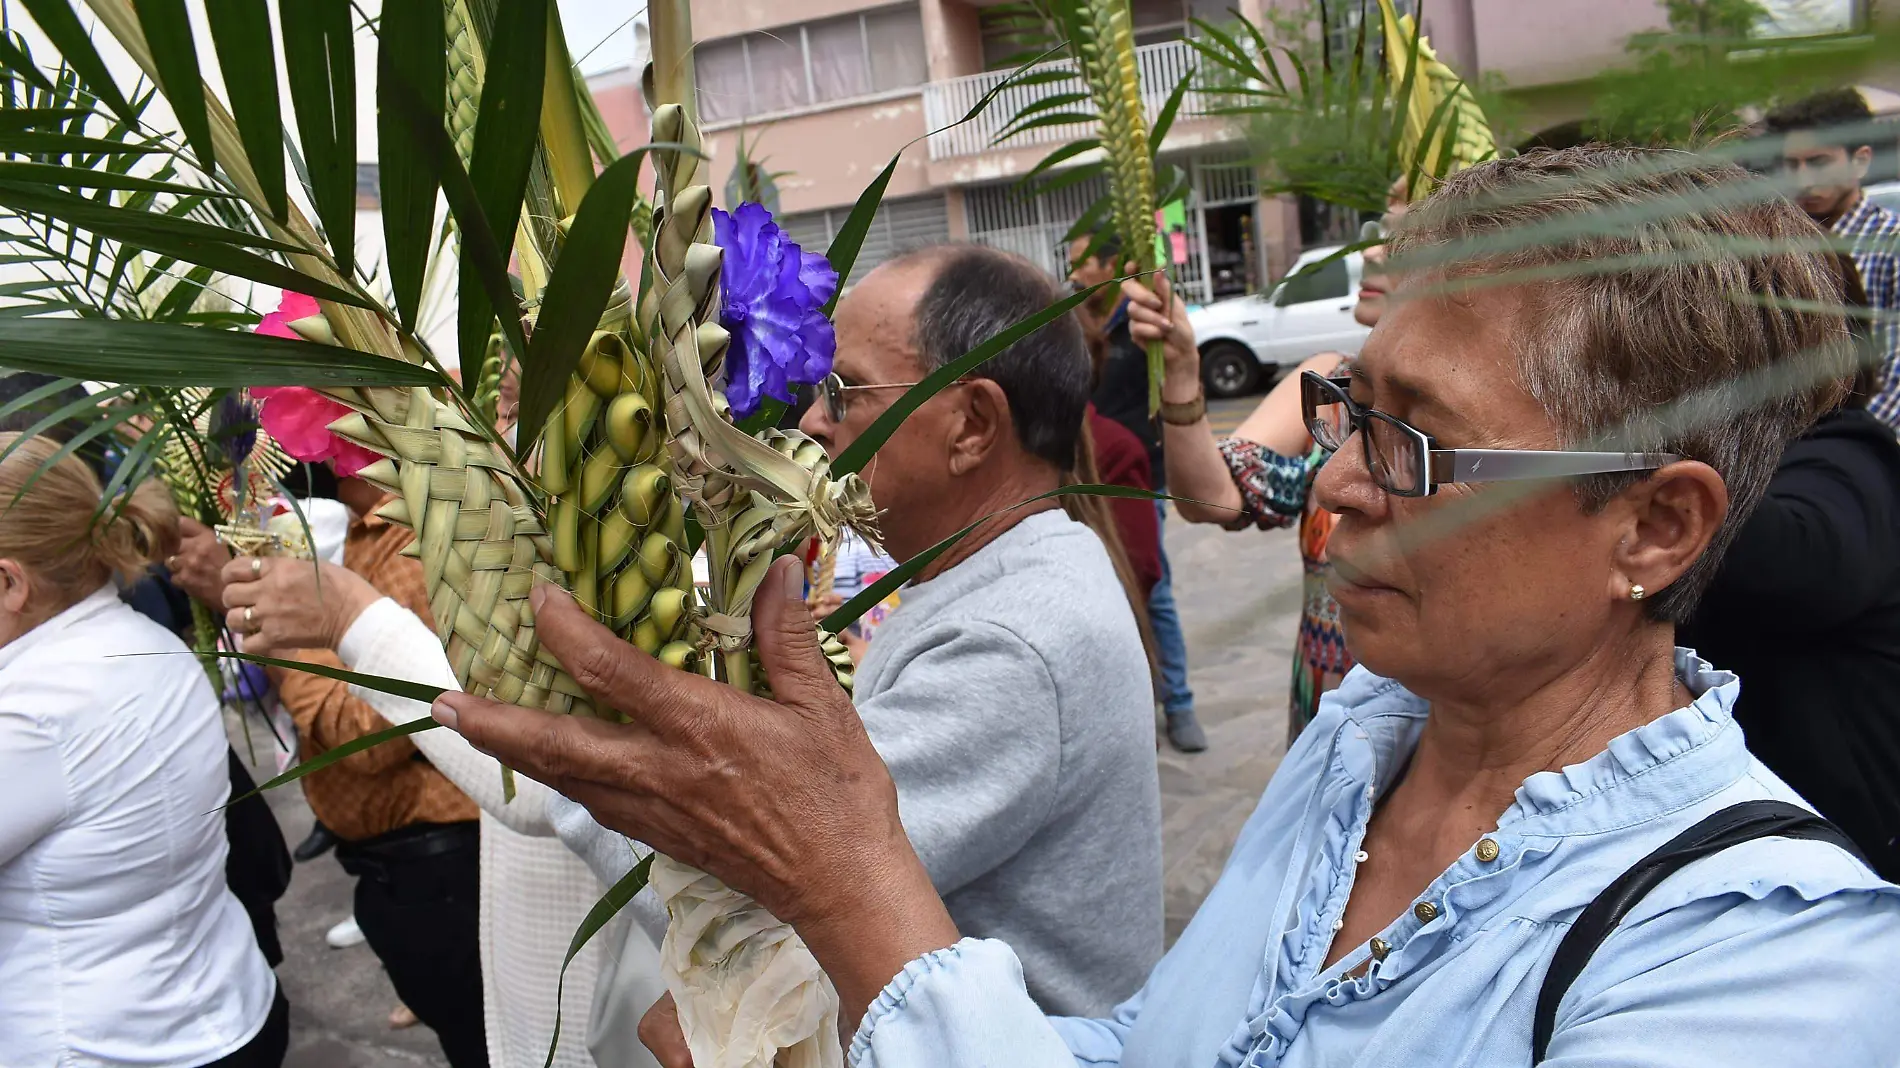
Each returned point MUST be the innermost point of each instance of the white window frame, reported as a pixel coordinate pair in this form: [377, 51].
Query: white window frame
[813, 104]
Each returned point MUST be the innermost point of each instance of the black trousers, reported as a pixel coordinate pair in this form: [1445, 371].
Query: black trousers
[418, 902]
[266, 1048]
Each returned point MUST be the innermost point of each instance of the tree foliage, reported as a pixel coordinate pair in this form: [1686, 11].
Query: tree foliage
[1693, 83]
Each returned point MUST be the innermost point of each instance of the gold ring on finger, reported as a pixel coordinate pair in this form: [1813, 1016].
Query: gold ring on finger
[249, 621]
[257, 566]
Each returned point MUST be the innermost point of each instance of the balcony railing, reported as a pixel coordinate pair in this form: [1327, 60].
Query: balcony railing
[1162, 66]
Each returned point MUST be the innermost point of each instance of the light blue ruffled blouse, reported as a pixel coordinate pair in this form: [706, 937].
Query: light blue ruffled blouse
[1774, 952]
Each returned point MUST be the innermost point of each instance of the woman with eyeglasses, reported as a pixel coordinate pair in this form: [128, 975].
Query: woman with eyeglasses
[1525, 829]
[1262, 475]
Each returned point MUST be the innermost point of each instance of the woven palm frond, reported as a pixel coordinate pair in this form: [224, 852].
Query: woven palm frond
[1445, 130]
[751, 496]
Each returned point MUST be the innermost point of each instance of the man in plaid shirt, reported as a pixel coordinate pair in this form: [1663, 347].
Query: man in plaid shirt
[1825, 152]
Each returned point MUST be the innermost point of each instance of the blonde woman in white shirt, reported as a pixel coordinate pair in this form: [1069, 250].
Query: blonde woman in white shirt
[120, 943]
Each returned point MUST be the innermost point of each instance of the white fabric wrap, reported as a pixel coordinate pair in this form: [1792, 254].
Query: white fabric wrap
[750, 995]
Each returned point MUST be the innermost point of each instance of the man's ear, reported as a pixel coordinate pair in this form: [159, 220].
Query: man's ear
[1862, 158]
[984, 424]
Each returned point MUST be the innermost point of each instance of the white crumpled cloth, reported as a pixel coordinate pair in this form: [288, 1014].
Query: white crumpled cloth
[750, 995]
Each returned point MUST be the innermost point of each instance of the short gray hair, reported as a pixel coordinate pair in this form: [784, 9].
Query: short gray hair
[978, 292]
[1687, 317]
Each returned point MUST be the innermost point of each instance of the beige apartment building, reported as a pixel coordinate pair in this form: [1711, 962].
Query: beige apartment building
[830, 90]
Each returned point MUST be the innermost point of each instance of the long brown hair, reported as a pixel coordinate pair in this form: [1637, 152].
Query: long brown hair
[1098, 515]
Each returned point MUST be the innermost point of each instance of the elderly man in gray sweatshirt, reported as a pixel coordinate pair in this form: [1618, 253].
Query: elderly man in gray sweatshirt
[1008, 693]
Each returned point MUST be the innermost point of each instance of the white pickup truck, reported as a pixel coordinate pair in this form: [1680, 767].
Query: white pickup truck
[1244, 341]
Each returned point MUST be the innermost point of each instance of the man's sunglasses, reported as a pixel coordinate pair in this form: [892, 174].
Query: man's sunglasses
[1407, 462]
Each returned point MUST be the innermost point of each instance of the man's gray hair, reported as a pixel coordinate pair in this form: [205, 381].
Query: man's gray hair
[977, 293]
[1669, 306]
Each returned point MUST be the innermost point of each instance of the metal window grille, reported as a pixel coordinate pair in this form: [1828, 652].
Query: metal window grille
[1223, 182]
[1032, 227]
[1002, 216]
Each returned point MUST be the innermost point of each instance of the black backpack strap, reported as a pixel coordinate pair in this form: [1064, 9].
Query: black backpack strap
[1731, 826]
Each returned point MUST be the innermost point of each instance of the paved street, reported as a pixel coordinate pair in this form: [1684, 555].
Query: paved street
[1239, 595]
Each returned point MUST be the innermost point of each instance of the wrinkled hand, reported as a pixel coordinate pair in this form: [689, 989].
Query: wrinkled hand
[661, 1034]
[783, 800]
[280, 603]
[197, 564]
[1157, 315]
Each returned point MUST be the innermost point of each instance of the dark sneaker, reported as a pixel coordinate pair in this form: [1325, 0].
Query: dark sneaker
[1185, 733]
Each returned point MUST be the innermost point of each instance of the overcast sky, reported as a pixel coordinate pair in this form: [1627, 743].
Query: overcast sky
[601, 26]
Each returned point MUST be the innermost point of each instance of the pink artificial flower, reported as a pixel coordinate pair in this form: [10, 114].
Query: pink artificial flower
[299, 417]
[294, 306]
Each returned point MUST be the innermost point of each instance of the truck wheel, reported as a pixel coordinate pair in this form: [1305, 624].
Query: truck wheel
[1229, 369]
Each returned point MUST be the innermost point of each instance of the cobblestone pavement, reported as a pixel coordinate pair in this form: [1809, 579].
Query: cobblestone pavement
[1239, 596]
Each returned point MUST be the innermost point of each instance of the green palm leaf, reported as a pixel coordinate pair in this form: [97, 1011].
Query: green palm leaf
[320, 67]
[60, 23]
[167, 27]
[411, 70]
[582, 284]
[240, 31]
[169, 355]
[505, 135]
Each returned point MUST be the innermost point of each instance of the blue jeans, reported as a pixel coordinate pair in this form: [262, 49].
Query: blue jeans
[1170, 645]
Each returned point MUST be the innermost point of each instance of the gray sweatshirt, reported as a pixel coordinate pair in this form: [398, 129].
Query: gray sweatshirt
[1011, 699]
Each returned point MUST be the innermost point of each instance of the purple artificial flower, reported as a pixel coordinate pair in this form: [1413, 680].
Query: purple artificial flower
[248, 684]
[775, 295]
[234, 427]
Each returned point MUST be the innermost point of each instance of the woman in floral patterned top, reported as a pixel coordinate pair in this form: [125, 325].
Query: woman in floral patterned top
[1261, 477]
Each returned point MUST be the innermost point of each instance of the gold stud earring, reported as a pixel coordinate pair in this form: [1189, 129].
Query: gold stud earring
[1637, 593]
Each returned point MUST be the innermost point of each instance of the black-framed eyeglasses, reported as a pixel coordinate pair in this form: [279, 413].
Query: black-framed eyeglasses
[1407, 461]
[836, 395]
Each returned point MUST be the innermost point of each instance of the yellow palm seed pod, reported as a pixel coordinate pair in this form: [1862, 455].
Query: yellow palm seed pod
[617, 534]
[579, 411]
[630, 595]
[587, 579]
[600, 475]
[600, 365]
[629, 418]
[667, 608]
[555, 457]
[657, 558]
[679, 655]
[643, 493]
[646, 635]
[564, 524]
[672, 519]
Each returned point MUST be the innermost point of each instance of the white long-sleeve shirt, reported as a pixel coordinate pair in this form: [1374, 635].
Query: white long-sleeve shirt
[120, 943]
[534, 894]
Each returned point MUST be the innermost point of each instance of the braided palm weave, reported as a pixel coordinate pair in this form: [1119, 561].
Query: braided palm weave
[481, 542]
